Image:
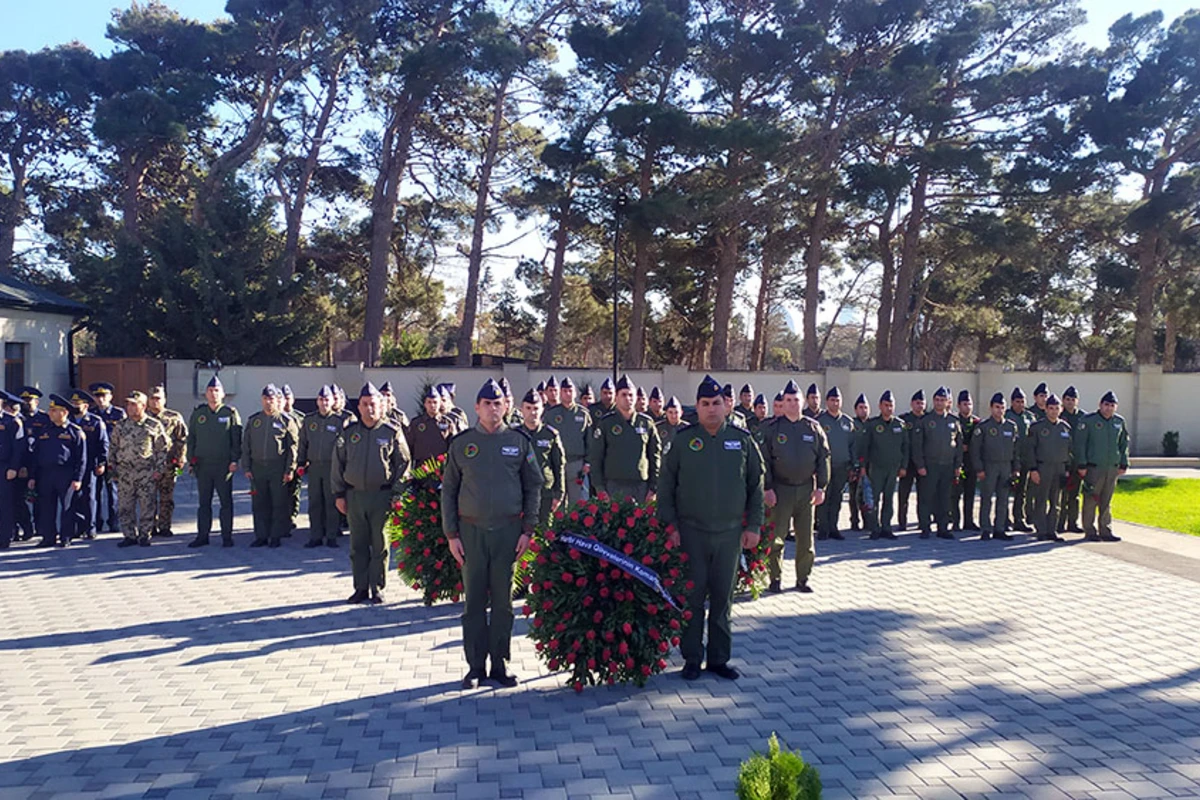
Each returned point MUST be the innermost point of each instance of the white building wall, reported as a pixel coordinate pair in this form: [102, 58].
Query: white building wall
[46, 365]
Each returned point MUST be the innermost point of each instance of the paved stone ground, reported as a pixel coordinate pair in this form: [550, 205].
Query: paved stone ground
[918, 669]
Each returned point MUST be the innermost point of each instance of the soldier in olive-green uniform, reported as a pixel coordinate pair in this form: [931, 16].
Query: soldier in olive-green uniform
[605, 405]
[1068, 517]
[937, 446]
[962, 512]
[1040, 398]
[214, 441]
[318, 437]
[448, 395]
[884, 459]
[758, 412]
[512, 412]
[370, 463]
[491, 494]
[1050, 447]
[913, 419]
[862, 412]
[394, 413]
[293, 486]
[269, 448]
[177, 434]
[812, 402]
[1021, 501]
[996, 460]
[711, 500]
[1102, 455]
[732, 412]
[624, 452]
[573, 423]
[548, 448]
[795, 456]
[843, 462]
[671, 423]
[428, 433]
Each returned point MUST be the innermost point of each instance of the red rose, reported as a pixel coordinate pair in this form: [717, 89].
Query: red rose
[638, 513]
[597, 617]
[616, 573]
[621, 533]
[601, 577]
[578, 685]
[458, 587]
[687, 613]
[630, 522]
[571, 658]
[547, 605]
[580, 583]
[437, 565]
[690, 585]
[574, 554]
[593, 508]
[627, 629]
[674, 641]
[628, 548]
[574, 516]
[542, 560]
[674, 624]
[623, 648]
[662, 664]
[538, 622]
[433, 503]
[591, 663]
[652, 609]
[654, 634]
[604, 591]
[553, 665]
[427, 552]
[526, 610]
[590, 635]
[587, 601]
[588, 521]
[648, 560]
[606, 654]
[651, 537]
[646, 669]
[559, 628]
[663, 647]
[614, 508]
[567, 616]
[568, 577]
[683, 557]
[609, 636]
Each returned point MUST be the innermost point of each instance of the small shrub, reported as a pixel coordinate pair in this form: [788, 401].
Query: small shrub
[778, 775]
[1170, 443]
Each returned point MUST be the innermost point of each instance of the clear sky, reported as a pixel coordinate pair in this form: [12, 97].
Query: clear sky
[31, 25]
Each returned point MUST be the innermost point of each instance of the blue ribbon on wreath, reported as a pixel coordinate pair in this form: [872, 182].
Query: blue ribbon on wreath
[635, 568]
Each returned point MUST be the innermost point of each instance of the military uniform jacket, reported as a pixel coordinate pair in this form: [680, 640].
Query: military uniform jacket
[270, 442]
[667, 431]
[794, 453]
[65, 446]
[369, 459]
[139, 448]
[624, 450]
[1102, 442]
[1023, 421]
[35, 423]
[598, 410]
[548, 447]
[461, 416]
[96, 433]
[398, 418]
[967, 424]
[842, 436]
[913, 422]
[426, 436]
[319, 436]
[1050, 445]
[14, 447]
[886, 443]
[737, 418]
[938, 441]
[572, 425]
[712, 482]
[1073, 419]
[1036, 412]
[490, 478]
[996, 443]
[177, 434]
[111, 416]
[215, 436]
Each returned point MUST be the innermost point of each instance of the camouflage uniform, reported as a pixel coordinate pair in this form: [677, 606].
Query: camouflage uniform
[164, 488]
[137, 451]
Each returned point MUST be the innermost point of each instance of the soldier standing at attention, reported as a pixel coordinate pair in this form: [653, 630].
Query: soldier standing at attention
[96, 434]
[962, 512]
[429, 431]
[34, 422]
[795, 456]
[759, 412]
[448, 396]
[491, 493]
[315, 459]
[996, 460]
[884, 459]
[106, 485]
[938, 457]
[293, 487]
[734, 412]
[605, 405]
[862, 412]
[1102, 457]
[671, 422]
[1021, 501]
[711, 504]
[177, 434]
[548, 448]
[777, 405]
[1068, 518]
[1039, 402]
[843, 438]
[139, 456]
[912, 418]
[13, 449]
[812, 408]
[624, 452]
[214, 440]
[269, 447]
[549, 396]
[655, 406]
[1050, 450]
[573, 423]
[59, 463]
[587, 397]
[370, 461]
[394, 413]
[641, 403]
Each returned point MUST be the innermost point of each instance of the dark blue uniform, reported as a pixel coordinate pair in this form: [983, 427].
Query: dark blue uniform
[106, 487]
[96, 432]
[13, 448]
[58, 459]
[27, 517]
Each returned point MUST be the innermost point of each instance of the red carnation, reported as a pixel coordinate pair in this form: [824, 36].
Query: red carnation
[571, 658]
[628, 548]
[568, 577]
[651, 537]
[591, 663]
[590, 636]
[593, 508]
[587, 601]
[646, 669]
[589, 521]
[609, 636]
[547, 605]
[652, 609]
[630, 522]
[580, 583]
[597, 617]
[627, 629]
[604, 591]
[674, 624]
[663, 647]
[526, 610]
[553, 665]
[623, 648]
[538, 622]
[648, 560]
[578, 685]
[574, 554]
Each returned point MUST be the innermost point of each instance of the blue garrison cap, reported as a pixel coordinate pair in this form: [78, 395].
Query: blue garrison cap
[834, 392]
[369, 390]
[271, 390]
[1071, 391]
[708, 388]
[431, 393]
[607, 384]
[862, 400]
[964, 395]
[287, 391]
[624, 383]
[80, 396]
[887, 396]
[1108, 397]
[791, 388]
[760, 400]
[531, 397]
[489, 391]
[998, 397]
[673, 403]
[919, 394]
[655, 393]
[942, 391]
[552, 382]
[1017, 394]
[215, 383]
[326, 391]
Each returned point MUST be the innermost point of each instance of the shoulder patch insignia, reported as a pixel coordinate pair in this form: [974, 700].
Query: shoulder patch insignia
[258, 422]
[616, 430]
[696, 444]
[312, 426]
[202, 419]
[355, 437]
[781, 438]
[992, 431]
[879, 428]
[471, 450]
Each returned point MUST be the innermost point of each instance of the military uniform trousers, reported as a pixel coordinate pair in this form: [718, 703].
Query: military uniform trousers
[829, 511]
[55, 505]
[324, 521]
[1021, 499]
[883, 484]
[935, 491]
[85, 505]
[164, 500]
[367, 511]
[858, 515]
[713, 559]
[545, 514]
[962, 513]
[1068, 515]
[25, 517]
[490, 549]
[793, 507]
[907, 483]
[1098, 489]
[270, 504]
[212, 477]
[1047, 497]
[136, 496]
[576, 482]
[293, 491]
[619, 490]
[106, 491]
[994, 488]
[9, 492]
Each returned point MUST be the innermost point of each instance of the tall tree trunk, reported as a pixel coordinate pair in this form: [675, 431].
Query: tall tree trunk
[1172, 332]
[812, 281]
[904, 317]
[887, 258]
[12, 214]
[758, 346]
[554, 296]
[1148, 257]
[466, 332]
[131, 194]
[641, 260]
[727, 263]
